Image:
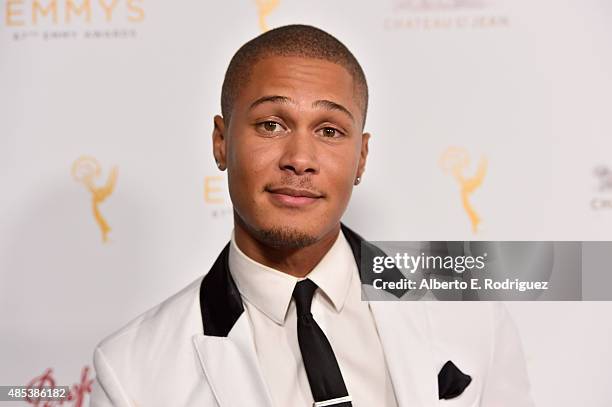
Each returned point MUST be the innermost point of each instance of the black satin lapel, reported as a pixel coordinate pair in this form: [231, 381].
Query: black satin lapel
[369, 252]
[451, 381]
[220, 301]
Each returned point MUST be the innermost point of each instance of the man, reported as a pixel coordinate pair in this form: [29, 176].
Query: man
[279, 320]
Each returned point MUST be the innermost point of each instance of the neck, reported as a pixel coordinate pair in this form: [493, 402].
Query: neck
[297, 262]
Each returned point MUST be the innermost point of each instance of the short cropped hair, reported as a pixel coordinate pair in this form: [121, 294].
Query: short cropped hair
[293, 41]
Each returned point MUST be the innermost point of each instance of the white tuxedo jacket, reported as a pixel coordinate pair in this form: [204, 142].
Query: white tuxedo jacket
[196, 349]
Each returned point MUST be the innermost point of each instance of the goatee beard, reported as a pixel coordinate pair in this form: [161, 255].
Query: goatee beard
[285, 238]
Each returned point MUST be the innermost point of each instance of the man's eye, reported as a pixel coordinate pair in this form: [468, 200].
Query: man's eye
[330, 132]
[270, 126]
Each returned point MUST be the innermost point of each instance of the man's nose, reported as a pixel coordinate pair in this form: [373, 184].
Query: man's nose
[299, 154]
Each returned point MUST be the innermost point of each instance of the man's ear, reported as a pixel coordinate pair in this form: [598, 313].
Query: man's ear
[218, 139]
[365, 137]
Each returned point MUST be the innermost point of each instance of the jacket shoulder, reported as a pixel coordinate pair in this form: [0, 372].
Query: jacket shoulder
[160, 325]
[154, 351]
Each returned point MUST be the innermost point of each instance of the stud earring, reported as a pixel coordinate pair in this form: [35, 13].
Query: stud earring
[358, 180]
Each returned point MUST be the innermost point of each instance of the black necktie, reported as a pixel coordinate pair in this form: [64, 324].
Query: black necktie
[326, 383]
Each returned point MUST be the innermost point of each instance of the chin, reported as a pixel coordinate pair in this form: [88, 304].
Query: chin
[287, 236]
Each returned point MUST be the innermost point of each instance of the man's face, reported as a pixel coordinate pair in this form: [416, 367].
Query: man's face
[293, 149]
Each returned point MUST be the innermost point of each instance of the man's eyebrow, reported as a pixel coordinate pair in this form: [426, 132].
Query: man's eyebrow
[329, 105]
[271, 99]
[325, 104]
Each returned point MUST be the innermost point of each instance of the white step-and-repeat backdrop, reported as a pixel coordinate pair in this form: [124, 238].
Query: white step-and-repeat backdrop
[491, 120]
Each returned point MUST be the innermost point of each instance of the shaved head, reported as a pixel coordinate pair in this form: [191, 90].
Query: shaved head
[292, 41]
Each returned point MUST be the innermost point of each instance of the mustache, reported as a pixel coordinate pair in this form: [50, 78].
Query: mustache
[295, 182]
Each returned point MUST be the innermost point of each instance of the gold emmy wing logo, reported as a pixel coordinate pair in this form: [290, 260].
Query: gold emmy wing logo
[264, 9]
[455, 161]
[85, 170]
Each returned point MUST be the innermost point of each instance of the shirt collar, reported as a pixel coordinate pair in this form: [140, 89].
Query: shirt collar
[269, 290]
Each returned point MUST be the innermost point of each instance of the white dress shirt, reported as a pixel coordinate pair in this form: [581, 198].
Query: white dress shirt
[337, 307]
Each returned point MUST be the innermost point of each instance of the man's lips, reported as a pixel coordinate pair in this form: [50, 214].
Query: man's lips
[295, 192]
[293, 197]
